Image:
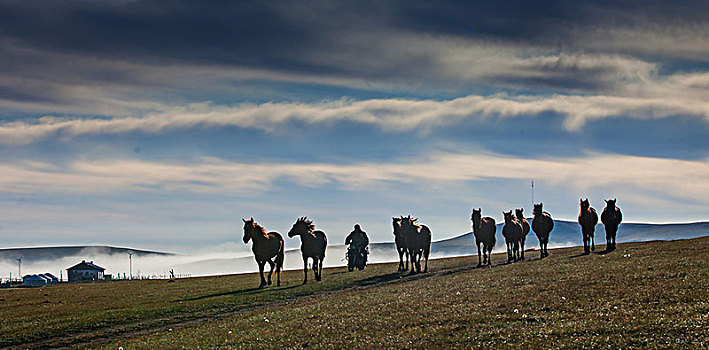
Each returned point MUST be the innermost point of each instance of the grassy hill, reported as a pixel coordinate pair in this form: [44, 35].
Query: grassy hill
[645, 294]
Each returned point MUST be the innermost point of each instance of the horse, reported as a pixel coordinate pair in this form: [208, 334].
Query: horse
[484, 231]
[400, 244]
[542, 224]
[513, 234]
[588, 218]
[417, 240]
[611, 218]
[519, 213]
[312, 245]
[267, 248]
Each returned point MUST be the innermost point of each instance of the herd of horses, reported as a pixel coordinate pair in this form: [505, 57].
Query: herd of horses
[413, 240]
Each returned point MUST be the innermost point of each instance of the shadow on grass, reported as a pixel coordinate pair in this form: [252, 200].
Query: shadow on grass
[605, 251]
[579, 255]
[238, 292]
[388, 277]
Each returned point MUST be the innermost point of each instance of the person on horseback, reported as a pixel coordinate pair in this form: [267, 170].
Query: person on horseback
[357, 252]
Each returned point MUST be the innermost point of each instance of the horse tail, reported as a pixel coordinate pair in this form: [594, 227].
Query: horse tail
[280, 256]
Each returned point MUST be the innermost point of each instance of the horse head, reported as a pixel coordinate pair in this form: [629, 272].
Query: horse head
[476, 215]
[584, 204]
[508, 216]
[519, 213]
[302, 226]
[249, 227]
[538, 209]
[610, 203]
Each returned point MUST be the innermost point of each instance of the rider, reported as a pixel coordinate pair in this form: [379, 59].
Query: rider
[357, 238]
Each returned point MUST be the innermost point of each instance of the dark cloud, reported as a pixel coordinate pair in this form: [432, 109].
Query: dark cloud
[122, 50]
[280, 34]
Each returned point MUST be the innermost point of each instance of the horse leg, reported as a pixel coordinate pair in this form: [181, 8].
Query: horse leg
[416, 260]
[522, 249]
[278, 274]
[425, 255]
[608, 240]
[593, 243]
[322, 259]
[546, 248]
[479, 261]
[317, 268]
[401, 259]
[408, 257]
[305, 270]
[270, 263]
[260, 270]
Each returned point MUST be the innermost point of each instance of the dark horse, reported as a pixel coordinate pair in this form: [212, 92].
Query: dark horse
[542, 224]
[400, 241]
[519, 213]
[611, 218]
[512, 231]
[588, 218]
[267, 248]
[312, 245]
[418, 242]
[484, 231]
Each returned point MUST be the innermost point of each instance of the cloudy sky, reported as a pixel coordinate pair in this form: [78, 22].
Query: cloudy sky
[160, 124]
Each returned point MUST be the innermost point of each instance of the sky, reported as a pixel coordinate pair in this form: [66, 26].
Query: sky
[161, 124]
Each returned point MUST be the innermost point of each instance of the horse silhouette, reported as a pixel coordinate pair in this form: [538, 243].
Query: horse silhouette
[512, 231]
[519, 213]
[267, 248]
[400, 241]
[418, 242]
[542, 224]
[611, 218]
[312, 245]
[484, 230]
[588, 218]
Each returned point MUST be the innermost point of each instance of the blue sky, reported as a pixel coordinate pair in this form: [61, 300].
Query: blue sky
[162, 124]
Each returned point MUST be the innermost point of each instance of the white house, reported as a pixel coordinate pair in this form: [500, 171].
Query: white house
[85, 271]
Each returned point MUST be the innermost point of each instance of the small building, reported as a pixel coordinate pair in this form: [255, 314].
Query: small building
[34, 281]
[44, 279]
[85, 271]
[51, 279]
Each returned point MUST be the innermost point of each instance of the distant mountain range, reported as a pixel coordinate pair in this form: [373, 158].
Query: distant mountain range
[566, 233]
[54, 253]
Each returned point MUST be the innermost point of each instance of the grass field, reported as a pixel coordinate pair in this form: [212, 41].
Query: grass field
[658, 297]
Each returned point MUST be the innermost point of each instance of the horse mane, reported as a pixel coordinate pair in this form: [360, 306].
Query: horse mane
[413, 221]
[260, 229]
[308, 223]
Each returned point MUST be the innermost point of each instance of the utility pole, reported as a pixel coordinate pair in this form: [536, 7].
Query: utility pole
[130, 265]
[532, 195]
[19, 267]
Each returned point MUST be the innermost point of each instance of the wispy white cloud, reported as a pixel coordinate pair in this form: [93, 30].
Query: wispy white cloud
[671, 177]
[679, 96]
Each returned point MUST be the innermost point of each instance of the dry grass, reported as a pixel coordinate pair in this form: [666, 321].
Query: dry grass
[656, 298]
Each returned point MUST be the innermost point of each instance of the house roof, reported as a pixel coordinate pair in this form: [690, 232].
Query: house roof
[49, 275]
[84, 265]
[34, 278]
